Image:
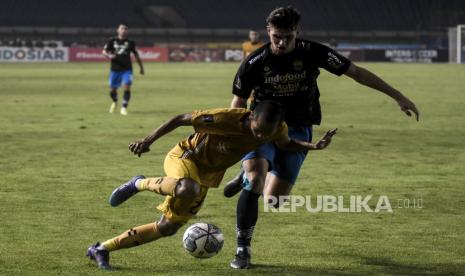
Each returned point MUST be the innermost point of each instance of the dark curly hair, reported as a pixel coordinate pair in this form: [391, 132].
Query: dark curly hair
[286, 18]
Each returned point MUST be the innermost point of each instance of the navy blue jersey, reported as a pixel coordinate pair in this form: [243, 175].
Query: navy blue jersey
[122, 48]
[289, 79]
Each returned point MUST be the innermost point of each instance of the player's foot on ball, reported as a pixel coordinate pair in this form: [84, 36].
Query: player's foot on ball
[242, 259]
[112, 107]
[123, 111]
[235, 185]
[100, 256]
[125, 191]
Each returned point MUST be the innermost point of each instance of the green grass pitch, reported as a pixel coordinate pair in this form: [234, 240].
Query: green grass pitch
[62, 153]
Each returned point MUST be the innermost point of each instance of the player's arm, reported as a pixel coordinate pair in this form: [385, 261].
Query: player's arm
[238, 102]
[143, 145]
[139, 62]
[108, 51]
[108, 54]
[367, 78]
[298, 145]
[138, 59]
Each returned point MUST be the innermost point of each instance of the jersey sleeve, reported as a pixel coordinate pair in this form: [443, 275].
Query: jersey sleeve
[330, 59]
[242, 85]
[109, 46]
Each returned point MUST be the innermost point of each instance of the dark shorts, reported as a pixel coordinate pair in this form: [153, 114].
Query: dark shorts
[120, 77]
[284, 164]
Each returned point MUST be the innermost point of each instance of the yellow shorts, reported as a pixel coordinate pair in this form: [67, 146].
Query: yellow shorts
[180, 168]
[175, 211]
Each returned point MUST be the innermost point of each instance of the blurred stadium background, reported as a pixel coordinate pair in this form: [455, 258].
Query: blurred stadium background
[212, 30]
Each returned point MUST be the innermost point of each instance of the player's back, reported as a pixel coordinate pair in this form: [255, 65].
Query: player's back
[222, 138]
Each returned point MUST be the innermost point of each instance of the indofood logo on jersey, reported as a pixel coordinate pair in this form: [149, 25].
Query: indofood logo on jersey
[287, 78]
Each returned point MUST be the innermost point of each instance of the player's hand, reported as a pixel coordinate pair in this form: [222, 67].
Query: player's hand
[408, 107]
[111, 56]
[142, 71]
[139, 147]
[326, 140]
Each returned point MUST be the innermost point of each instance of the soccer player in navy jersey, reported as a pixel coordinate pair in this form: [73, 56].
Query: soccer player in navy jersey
[286, 70]
[118, 50]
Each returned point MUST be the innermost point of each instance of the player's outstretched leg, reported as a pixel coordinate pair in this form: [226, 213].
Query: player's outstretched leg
[125, 191]
[247, 216]
[247, 210]
[100, 252]
[234, 186]
[186, 195]
[159, 185]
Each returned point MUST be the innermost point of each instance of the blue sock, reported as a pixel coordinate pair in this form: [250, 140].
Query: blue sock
[126, 97]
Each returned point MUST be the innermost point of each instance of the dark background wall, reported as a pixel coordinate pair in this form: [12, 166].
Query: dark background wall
[422, 21]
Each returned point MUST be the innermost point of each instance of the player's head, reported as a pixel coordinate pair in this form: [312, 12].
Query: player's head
[266, 118]
[254, 36]
[122, 30]
[281, 26]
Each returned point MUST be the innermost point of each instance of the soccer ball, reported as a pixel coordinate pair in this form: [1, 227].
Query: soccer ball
[203, 240]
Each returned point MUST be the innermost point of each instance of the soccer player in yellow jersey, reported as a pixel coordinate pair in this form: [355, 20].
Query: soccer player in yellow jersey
[252, 44]
[222, 137]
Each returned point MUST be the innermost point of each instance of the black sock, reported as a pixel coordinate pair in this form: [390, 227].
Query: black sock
[126, 97]
[247, 215]
[114, 96]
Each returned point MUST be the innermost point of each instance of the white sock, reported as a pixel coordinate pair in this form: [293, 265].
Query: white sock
[138, 184]
[101, 247]
[247, 248]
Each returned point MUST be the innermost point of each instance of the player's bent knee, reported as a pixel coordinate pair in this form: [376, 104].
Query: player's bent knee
[167, 228]
[255, 172]
[257, 166]
[254, 183]
[187, 189]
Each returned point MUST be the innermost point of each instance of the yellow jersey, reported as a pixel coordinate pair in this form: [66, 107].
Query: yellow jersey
[221, 138]
[248, 47]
